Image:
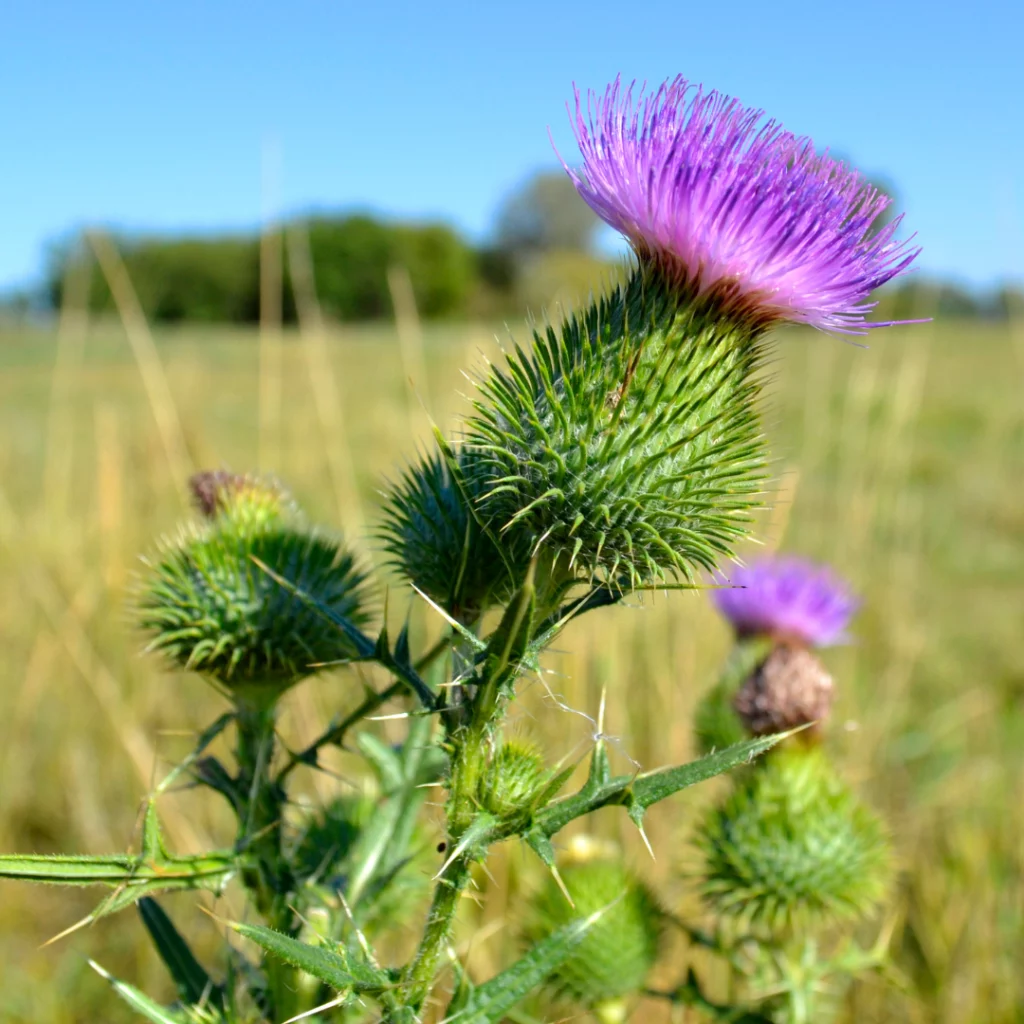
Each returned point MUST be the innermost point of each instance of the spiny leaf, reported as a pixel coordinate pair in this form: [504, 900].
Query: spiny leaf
[139, 1001]
[488, 1003]
[118, 869]
[509, 643]
[648, 788]
[652, 787]
[339, 971]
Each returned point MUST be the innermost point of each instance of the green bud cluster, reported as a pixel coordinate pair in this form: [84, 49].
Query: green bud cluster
[792, 847]
[435, 537]
[628, 442]
[621, 947]
[211, 607]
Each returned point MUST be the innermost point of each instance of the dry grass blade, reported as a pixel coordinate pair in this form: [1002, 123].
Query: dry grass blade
[147, 358]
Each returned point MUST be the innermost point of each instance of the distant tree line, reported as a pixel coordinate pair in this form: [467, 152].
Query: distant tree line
[543, 253]
[218, 279]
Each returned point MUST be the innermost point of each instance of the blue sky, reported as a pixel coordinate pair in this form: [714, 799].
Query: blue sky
[154, 115]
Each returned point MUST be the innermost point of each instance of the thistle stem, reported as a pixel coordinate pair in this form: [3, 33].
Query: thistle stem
[259, 833]
[467, 767]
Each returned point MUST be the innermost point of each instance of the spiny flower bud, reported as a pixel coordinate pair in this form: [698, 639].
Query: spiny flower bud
[514, 778]
[627, 444]
[435, 538]
[789, 688]
[210, 607]
[621, 947]
[792, 847]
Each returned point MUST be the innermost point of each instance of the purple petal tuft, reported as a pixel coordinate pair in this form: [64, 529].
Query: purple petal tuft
[789, 597]
[732, 204]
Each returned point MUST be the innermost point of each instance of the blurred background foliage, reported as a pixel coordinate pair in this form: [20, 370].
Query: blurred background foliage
[901, 465]
[546, 247]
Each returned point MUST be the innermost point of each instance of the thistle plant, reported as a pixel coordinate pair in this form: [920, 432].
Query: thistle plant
[792, 858]
[620, 450]
[781, 609]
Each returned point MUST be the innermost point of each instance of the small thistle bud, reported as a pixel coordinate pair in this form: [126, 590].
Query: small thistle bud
[789, 688]
[210, 607]
[248, 501]
[514, 779]
[792, 847]
[435, 539]
[616, 956]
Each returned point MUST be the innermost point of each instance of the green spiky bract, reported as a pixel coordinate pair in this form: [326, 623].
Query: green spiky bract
[628, 442]
[211, 608]
[435, 539]
[614, 960]
[792, 848]
[514, 778]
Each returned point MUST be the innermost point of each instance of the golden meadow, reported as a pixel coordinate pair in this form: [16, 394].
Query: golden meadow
[903, 464]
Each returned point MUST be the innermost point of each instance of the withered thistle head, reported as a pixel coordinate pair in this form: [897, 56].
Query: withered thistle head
[790, 688]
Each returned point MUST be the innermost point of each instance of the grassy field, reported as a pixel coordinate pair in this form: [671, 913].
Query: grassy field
[902, 464]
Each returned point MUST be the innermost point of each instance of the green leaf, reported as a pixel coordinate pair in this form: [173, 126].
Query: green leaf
[69, 870]
[193, 983]
[643, 790]
[336, 969]
[541, 845]
[131, 877]
[139, 1001]
[655, 786]
[385, 842]
[384, 760]
[489, 1002]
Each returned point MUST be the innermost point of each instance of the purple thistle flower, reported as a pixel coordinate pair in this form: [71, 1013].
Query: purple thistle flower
[789, 597]
[729, 204]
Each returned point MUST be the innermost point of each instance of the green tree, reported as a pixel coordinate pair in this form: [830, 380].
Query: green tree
[545, 213]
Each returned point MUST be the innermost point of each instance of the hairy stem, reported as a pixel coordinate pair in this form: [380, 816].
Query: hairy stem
[450, 885]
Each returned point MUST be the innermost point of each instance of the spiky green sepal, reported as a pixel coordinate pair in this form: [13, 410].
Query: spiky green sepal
[438, 542]
[792, 848]
[628, 442]
[210, 607]
[619, 951]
